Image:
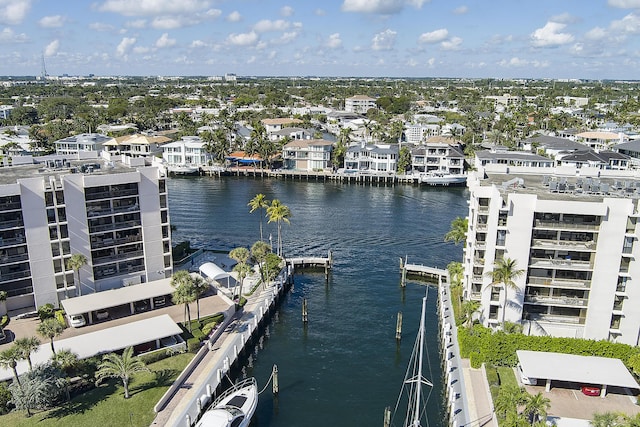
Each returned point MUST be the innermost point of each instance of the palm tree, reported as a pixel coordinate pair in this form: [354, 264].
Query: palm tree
[9, 359]
[278, 213]
[504, 272]
[456, 270]
[241, 255]
[469, 308]
[606, 419]
[458, 231]
[259, 252]
[259, 202]
[75, 263]
[26, 347]
[185, 293]
[123, 367]
[199, 287]
[50, 328]
[508, 399]
[67, 361]
[536, 407]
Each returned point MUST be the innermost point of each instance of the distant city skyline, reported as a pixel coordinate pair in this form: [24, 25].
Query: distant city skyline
[597, 39]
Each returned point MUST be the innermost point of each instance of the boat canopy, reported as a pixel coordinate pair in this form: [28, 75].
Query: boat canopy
[213, 271]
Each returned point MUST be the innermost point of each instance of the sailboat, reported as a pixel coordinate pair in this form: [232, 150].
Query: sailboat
[415, 381]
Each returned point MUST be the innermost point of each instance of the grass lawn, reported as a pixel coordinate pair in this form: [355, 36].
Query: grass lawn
[507, 376]
[106, 406]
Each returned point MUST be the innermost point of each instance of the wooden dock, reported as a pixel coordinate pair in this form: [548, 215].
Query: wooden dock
[312, 262]
[438, 275]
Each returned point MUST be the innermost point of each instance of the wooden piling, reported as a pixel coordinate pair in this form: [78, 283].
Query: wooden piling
[304, 310]
[275, 385]
[387, 416]
[399, 326]
[403, 266]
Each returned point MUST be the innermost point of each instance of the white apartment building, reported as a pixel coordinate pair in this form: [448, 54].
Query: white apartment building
[189, 152]
[359, 104]
[577, 241]
[82, 143]
[118, 218]
[419, 133]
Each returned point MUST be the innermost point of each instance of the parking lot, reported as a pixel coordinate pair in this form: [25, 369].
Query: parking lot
[26, 327]
[567, 401]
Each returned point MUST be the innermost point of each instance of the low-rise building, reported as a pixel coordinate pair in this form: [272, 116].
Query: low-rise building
[372, 158]
[186, 155]
[438, 157]
[359, 104]
[84, 143]
[307, 154]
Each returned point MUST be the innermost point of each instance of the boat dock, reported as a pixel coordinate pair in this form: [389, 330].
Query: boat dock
[433, 274]
[196, 387]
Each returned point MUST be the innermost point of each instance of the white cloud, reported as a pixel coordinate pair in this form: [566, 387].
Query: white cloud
[625, 4]
[12, 12]
[384, 7]
[334, 41]
[100, 26]
[320, 12]
[596, 33]
[452, 44]
[461, 10]
[8, 36]
[434, 36]
[125, 44]
[167, 23]
[286, 11]
[287, 37]
[140, 50]
[267, 25]
[52, 48]
[630, 24]
[243, 39]
[516, 62]
[165, 41]
[138, 23]
[154, 7]
[55, 21]
[213, 13]
[384, 40]
[550, 35]
[198, 44]
[234, 16]
[564, 18]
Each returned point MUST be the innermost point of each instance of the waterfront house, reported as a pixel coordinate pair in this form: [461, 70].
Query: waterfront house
[188, 154]
[600, 160]
[84, 145]
[307, 154]
[631, 149]
[372, 157]
[485, 158]
[601, 140]
[136, 145]
[438, 156]
[290, 132]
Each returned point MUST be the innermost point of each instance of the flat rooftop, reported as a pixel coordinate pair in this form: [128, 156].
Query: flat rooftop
[58, 165]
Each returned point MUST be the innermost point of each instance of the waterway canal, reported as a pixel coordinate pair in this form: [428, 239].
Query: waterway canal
[345, 366]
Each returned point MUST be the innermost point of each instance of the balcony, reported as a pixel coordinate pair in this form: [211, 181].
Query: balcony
[482, 227]
[478, 262]
[102, 212]
[481, 245]
[116, 226]
[105, 273]
[477, 278]
[558, 301]
[14, 223]
[560, 283]
[476, 296]
[12, 241]
[550, 318]
[105, 243]
[565, 225]
[9, 259]
[564, 244]
[10, 206]
[561, 264]
[7, 277]
[483, 209]
[112, 194]
[117, 257]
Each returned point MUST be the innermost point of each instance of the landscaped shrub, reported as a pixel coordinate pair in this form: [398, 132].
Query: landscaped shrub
[198, 334]
[193, 345]
[46, 311]
[60, 316]
[5, 398]
[206, 329]
[475, 360]
[4, 321]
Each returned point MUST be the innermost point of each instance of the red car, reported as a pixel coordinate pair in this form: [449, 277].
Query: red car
[590, 390]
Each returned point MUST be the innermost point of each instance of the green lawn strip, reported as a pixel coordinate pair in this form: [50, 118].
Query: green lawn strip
[507, 376]
[105, 405]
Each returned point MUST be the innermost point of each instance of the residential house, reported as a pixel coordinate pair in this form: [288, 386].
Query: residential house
[274, 125]
[439, 157]
[511, 158]
[372, 157]
[83, 144]
[601, 140]
[307, 154]
[188, 153]
[291, 133]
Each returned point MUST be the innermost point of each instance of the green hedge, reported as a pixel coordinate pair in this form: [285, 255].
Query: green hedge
[481, 345]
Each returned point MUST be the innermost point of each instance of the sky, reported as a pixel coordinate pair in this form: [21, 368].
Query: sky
[585, 39]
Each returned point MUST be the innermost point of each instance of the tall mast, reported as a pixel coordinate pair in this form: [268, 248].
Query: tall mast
[418, 397]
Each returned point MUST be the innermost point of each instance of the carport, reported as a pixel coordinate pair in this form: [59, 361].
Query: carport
[212, 271]
[103, 341]
[602, 371]
[112, 298]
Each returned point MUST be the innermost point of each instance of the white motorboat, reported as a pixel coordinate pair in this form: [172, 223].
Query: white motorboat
[442, 178]
[415, 381]
[234, 408]
[183, 169]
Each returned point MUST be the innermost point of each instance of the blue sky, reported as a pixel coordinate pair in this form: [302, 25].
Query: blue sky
[595, 39]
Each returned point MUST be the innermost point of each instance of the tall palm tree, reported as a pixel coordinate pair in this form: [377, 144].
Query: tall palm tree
[26, 347]
[9, 359]
[67, 361]
[508, 399]
[259, 252]
[75, 263]
[122, 367]
[241, 255]
[199, 288]
[278, 213]
[185, 293]
[259, 202]
[536, 408]
[505, 271]
[606, 419]
[50, 328]
[469, 308]
[456, 271]
[458, 231]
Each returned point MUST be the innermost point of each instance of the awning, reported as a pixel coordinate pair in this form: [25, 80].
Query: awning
[577, 369]
[116, 297]
[212, 271]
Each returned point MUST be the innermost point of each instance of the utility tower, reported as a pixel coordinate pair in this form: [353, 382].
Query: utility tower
[43, 71]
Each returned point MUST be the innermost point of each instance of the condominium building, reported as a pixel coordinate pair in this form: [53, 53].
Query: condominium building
[359, 104]
[116, 217]
[576, 240]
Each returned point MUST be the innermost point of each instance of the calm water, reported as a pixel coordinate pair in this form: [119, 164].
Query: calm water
[345, 366]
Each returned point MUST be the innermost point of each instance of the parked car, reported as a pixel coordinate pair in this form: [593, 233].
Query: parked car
[77, 320]
[141, 305]
[102, 314]
[590, 390]
[159, 301]
[526, 380]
